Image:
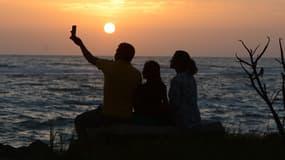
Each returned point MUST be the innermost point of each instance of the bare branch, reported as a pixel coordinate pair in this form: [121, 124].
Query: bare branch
[281, 49]
[278, 61]
[256, 49]
[255, 75]
[283, 89]
[274, 95]
[244, 45]
[242, 61]
[261, 72]
[245, 70]
[264, 89]
[282, 54]
[257, 89]
[264, 49]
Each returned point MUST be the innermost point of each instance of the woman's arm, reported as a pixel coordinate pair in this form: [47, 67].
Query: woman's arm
[175, 94]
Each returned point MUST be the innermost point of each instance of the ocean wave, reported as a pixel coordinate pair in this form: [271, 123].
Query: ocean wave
[64, 89]
[37, 124]
[28, 84]
[78, 102]
[8, 66]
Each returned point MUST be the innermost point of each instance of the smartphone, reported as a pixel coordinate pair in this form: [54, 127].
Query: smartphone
[73, 31]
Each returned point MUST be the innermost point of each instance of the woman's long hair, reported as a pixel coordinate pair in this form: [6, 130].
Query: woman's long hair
[185, 62]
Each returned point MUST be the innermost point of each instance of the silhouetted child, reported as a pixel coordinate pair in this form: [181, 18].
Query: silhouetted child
[151, 104]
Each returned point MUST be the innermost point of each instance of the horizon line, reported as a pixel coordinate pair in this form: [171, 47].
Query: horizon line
[73, 55]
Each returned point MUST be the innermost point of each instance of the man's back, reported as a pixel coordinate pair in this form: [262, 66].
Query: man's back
[121, 80]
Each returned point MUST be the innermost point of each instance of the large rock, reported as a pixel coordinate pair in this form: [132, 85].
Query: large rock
[205, 127]
[131, 141]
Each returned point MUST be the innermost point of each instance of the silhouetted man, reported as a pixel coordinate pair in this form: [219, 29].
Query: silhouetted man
[120, 82]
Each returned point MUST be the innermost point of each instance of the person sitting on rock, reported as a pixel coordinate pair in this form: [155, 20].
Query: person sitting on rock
[183, 90]
[121, 80]
[151, 104]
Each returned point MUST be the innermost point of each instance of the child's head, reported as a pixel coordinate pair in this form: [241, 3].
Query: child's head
[151, 70]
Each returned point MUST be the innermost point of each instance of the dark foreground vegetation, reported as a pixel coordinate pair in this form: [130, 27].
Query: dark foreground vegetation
[182, 146]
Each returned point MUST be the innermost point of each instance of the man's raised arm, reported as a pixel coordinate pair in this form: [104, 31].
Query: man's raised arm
[90, 58]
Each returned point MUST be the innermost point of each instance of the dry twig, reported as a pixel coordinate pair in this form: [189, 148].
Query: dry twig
[255, 75]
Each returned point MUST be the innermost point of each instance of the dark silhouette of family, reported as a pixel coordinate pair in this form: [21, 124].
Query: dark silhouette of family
[128, 100]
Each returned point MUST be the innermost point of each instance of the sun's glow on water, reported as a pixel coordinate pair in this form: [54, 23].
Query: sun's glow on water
[109, 28]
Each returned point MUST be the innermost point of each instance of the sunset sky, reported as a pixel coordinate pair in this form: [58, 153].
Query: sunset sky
[154, 27]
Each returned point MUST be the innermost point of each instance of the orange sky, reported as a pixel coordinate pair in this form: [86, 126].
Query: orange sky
[202, 27]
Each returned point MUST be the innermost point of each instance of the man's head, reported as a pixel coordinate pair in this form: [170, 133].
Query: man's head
[125, 51]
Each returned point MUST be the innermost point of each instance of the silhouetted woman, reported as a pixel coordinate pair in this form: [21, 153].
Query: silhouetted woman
[183, 90]
[151, 104]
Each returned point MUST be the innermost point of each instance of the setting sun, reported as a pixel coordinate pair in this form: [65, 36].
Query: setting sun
[109, 28]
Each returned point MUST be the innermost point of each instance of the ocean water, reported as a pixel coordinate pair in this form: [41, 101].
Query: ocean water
[38, 93]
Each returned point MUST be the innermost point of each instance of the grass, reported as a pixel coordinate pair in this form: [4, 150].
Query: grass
[183, 145]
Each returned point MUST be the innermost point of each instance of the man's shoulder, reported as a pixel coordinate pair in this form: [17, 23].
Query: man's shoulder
[104, 64]
[137, 74]
[134, 69]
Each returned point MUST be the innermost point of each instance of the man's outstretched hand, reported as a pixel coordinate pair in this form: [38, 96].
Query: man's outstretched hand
[92, 59]
[76, 40]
